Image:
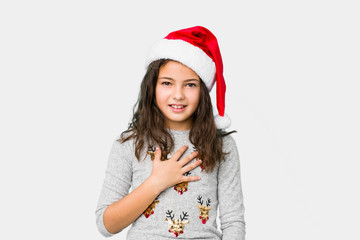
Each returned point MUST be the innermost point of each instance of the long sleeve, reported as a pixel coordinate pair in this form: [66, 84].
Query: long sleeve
[117, 182]
[231, 202]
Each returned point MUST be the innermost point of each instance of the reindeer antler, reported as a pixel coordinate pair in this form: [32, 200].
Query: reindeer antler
[208, 202]
[199, 200]
[168, 214]
[151, 148]
[187, 173]
[185, 216]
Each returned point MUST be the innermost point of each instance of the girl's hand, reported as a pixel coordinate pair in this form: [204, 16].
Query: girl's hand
[170, 172]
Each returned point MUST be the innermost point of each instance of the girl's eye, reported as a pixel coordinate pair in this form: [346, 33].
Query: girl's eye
[191, 84]
[166, 83]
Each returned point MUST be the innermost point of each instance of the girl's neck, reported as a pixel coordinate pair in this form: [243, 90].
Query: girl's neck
[179, 133]
[176, 130]
[179, 126]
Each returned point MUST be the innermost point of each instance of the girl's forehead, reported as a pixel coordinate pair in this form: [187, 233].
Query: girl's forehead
[176, 70]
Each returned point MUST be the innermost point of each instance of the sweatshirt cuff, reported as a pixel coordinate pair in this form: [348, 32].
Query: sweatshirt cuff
[101, 226]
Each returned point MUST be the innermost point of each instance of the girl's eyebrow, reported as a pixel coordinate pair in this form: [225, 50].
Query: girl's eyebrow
[166, 78]
[192, 79]
[187, 80]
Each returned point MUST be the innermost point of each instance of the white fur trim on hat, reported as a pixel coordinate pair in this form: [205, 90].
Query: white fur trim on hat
[186, 53]
[222, 122]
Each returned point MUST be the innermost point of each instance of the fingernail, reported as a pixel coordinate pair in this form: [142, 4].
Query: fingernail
[157, 148]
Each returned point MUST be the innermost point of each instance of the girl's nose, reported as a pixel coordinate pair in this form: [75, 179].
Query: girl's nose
[178, 93]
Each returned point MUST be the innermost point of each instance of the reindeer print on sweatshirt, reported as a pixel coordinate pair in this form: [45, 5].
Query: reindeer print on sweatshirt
[183, 186]
[151, 151]
[204, 209]
[176, 226]
[150, 209]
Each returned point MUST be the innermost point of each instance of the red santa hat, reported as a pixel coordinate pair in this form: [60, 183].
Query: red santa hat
[198, 49]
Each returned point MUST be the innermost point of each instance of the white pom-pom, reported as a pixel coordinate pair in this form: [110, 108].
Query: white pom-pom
[222, 122]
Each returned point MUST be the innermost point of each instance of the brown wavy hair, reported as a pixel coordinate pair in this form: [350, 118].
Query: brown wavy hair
[148, 123]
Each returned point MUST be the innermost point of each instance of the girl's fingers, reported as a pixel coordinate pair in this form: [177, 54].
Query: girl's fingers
[157, 154]
[188, 158]
[190, 166]
[179, 153]
[192, 178]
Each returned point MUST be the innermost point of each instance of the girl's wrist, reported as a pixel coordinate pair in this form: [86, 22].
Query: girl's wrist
[156, 184]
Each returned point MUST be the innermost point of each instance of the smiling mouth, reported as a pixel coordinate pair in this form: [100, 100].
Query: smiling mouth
[177, 106]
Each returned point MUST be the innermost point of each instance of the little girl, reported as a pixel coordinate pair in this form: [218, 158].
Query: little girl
[175, 155]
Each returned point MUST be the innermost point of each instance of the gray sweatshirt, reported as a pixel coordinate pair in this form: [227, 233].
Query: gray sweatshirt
[184, 211]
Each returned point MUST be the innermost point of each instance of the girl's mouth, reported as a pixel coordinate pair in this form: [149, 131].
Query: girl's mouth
[177, 107]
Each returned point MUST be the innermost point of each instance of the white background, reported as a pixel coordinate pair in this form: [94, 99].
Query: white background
[70, 74]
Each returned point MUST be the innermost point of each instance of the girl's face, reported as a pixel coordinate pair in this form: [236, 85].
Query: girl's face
[177, 94]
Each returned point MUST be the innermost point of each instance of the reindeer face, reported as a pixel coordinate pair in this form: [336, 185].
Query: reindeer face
[181, 187]
[150, 210]
[204, 213]
[176, 226]
[152, 155]
[204, 209]
[151, 152]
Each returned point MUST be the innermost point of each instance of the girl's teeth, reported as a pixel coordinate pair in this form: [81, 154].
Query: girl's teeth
[177, 106]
